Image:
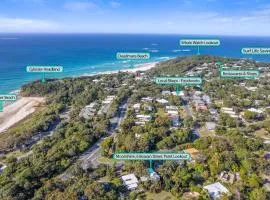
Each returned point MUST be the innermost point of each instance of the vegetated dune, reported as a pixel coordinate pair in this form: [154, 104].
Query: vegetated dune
[15, 112]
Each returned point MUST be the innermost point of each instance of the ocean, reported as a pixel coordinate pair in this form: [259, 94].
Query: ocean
[85, 54]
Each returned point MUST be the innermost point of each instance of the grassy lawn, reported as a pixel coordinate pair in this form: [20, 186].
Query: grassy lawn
[204, 132]
[263, 134]
[160, 196]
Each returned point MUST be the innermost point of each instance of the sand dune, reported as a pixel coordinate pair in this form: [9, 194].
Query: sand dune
[17, 111]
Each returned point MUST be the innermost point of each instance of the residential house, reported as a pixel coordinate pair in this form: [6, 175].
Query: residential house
[146, 99]
[229, 111]
[229, 177]
[162, 101]
[137, 107]
[144, 118]
[215, 190]
[201, 108]
[166, 92]
[252, 89]
[130, 181]
[88, 110]
[180, 93]
[154, 176]
[206, 99]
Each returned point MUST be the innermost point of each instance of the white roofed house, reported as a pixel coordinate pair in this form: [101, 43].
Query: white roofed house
[130, 181]
[230, 112]
[253, 89]
[215, 190]
[88, 110]
[162, 101]
[166, 92]
[175, 108]
[181, 93]
[109, 99]
[136, 107]
[146, 99]
[144, 118]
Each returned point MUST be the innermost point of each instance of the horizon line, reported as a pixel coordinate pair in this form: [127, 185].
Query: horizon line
[114, 33]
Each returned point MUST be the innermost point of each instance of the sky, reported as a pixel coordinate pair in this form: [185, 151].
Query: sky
[207, 17]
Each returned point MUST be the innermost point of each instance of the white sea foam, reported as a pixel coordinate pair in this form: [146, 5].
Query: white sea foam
[153, 50]
[177, 50]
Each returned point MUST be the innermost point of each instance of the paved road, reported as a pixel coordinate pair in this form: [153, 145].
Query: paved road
[92, 154]
[186, 106]
[188, 110]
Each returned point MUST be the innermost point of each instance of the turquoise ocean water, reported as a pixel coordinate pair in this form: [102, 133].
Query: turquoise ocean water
[83, 54]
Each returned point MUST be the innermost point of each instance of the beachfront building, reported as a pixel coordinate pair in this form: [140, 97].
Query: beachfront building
[215, 190]
[130, 181]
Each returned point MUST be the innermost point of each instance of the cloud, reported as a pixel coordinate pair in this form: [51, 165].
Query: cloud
[27, 25]
[79, 6]
[114, 4]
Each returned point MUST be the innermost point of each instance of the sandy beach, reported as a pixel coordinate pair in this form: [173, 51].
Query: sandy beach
[141, 67]
[17, 111]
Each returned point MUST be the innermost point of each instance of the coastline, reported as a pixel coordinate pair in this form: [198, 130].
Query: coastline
[19, 110]
[15, 112]
[138, 67]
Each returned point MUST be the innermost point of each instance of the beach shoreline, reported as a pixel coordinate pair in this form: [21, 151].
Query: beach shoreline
[15, 112]
[19, 110]
[138, 67]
